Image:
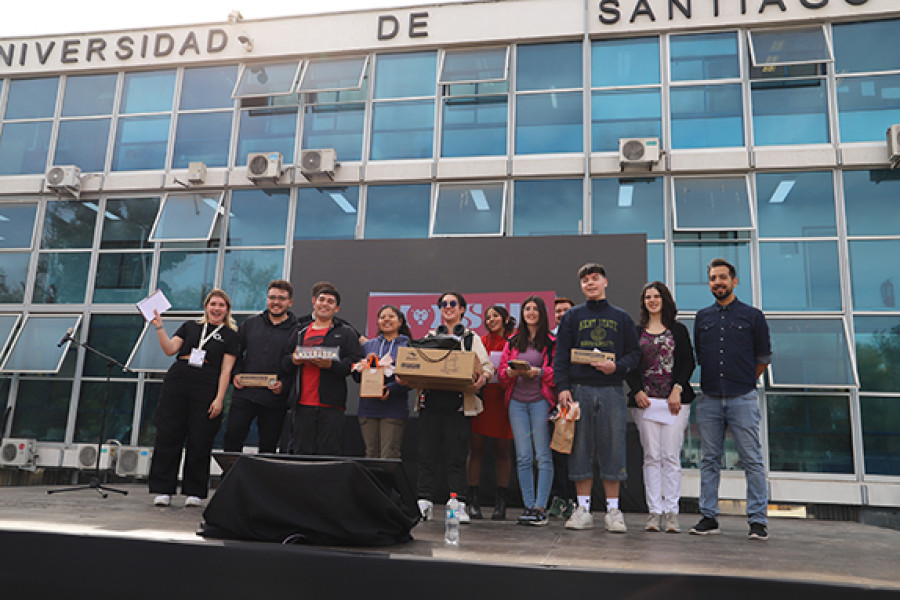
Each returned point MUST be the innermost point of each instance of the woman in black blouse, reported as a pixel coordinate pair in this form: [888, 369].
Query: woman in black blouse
[190, 405]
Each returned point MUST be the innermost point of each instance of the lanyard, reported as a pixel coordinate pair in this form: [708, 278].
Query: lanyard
[205, 338]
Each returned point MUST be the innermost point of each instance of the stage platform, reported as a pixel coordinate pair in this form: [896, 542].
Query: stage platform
[80, 544]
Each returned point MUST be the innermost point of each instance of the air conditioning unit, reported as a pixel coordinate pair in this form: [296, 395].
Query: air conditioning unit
[196, 172]
[133, 461]
[893, 143]
[318, 162]
[264, 166]
[66, 178]
[17, 452]
[638, 151]
[86, 457]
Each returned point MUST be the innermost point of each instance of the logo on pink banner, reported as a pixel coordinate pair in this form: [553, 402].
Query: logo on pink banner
[422, 313]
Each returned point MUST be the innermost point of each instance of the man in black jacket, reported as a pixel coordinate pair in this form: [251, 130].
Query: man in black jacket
[262, 339]
[319, 394]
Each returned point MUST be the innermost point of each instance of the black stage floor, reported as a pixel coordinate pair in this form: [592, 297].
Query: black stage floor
[80, 545]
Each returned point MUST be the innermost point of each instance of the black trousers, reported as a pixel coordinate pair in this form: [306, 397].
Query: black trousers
[317, 430]
[443, 436]
[269, 421]
[182, 422]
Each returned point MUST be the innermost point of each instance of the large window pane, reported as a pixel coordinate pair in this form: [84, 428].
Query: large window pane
[268, 79]
[186, 277]
[147, 356]
[870, 202]
[119, 412]
[474, 126]
[208, 87]
[8, 324]
[809, 434]
[865, 105]
[127, 222]
[704, 56]
[266, 130]
[83, 143]
[69, 224]
[810, 353]
[122, 277]
[548, 123]
[623, 114]
[258, 217]
[691, 259]
[61, 277]
[707, 116]
[405, 75]
[88, 95]
[338, 126]
[628, 206]
[881, 434]
[878, 353]
[247, 275]
[800, 276]
[548, 66]
[403, 130]
[790, 112]
[656, 262]
[113, 335]
[632, 61]
[853, 51]
[334, 74]
[145, 92]
[147, 433]
[397, 211]
[712, 204]
[548, 207]
[141, 143]
[35, 348]
[483, 64]
[187, 217]
[17, 224]
[23, 147]
[31, 98]
[469, 209]
[202, 136]
[42, 409]
[326, 213]
[13, 276]
[874, 274]
[789, 46]
[795, 204]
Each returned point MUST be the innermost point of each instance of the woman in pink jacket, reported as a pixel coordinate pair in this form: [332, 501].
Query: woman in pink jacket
[526, 374]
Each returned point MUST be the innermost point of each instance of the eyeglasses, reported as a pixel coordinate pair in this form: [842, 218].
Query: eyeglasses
[278, 298]
[446, 303]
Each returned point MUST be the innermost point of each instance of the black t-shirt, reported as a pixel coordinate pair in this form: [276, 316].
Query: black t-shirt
[222, 342]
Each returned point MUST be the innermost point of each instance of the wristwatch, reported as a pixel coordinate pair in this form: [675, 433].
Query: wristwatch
[678, 386]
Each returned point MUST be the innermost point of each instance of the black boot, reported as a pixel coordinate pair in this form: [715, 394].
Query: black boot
[472, 506]
[499, 505]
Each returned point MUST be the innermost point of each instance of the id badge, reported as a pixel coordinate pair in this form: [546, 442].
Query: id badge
[197, 358]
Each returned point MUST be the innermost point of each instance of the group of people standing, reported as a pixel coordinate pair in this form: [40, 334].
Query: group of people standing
[527, 375]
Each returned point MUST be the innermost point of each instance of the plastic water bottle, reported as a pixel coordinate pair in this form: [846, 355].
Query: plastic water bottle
[451, 524]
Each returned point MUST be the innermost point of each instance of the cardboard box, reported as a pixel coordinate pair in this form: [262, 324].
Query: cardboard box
[580, 356]
[434, 369]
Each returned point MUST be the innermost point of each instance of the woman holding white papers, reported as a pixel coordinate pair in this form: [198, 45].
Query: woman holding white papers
[660, 395]
[189, 410]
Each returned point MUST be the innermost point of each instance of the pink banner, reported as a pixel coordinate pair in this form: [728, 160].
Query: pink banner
[423, 315]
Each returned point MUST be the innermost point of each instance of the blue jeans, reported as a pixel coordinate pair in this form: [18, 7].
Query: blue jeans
[532, 439]
[741, 415]
[599, 433]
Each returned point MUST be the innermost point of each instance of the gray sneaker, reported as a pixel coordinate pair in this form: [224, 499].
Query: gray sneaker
[615, 521]
[672, 524]
[580, 519]
[653, 522]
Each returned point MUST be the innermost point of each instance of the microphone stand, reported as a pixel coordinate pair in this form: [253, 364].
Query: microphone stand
[95, 479]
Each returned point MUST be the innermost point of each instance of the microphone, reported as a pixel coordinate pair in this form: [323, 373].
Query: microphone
[67, 337]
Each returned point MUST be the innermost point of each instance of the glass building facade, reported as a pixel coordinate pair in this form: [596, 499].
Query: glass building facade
[773, 157]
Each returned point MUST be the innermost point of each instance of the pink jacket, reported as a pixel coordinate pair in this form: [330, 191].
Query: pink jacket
[508, 383]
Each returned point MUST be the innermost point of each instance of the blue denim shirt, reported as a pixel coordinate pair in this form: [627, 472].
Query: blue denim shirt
[729, 342]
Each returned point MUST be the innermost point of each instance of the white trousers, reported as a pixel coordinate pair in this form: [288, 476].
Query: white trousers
[662, 459]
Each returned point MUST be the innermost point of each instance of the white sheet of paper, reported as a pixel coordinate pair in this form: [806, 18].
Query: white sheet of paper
[157, 300]
[659, 411]
[495, 360]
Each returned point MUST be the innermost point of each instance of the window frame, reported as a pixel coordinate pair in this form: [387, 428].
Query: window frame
[751, 213]
[218, 211]
[364, 67]
[292, 87]
[63, 349]
[436, 191]
[828, 46]
[851, 356]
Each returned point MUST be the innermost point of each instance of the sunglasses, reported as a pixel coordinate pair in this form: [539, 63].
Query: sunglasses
[446, 303]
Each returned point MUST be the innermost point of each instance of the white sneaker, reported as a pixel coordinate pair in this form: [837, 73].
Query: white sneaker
[653, 522]
[192, 501]
[162, 500]
[580, 519]
[672, 525]
[615, 522]
[464, 514]
[425, 509]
